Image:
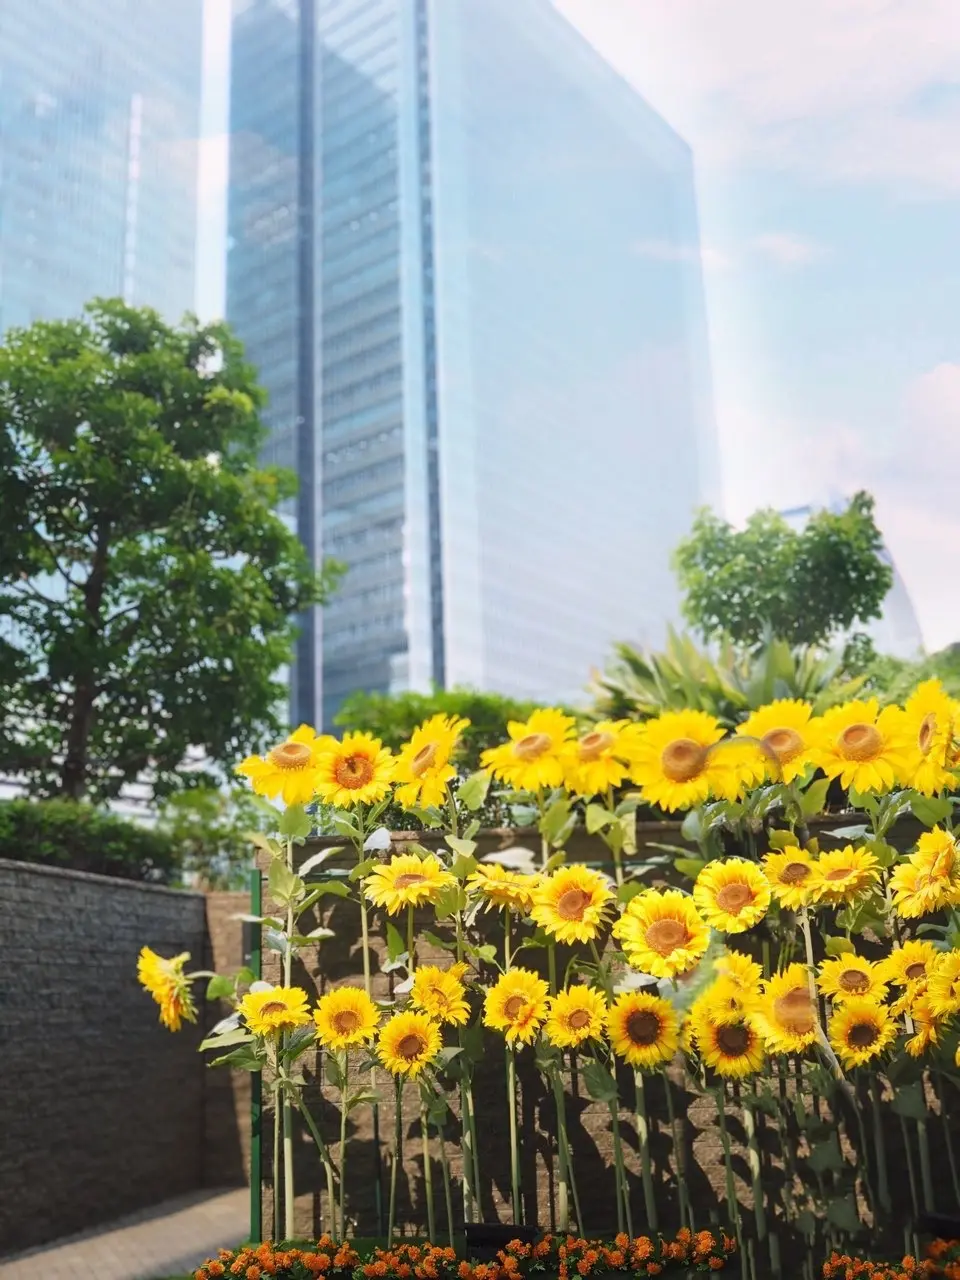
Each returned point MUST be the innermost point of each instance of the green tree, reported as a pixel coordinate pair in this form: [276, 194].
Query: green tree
[147, 583]
[804, 587]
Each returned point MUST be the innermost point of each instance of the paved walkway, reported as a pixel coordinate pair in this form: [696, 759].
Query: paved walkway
[171, 1239]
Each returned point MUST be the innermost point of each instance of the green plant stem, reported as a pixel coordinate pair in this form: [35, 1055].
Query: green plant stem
[911, 1169]
[507, 957]
[686, 1216]
[471, 1183]
[447, 1194]
[289, 1192]
[325, 1160]
[397, 1157]
[514, 1146]
[880, 1146]
[563, 1151]
[643, 1142]
[926, 1173]
[570, 1170]
[427, 1172]
[368, 988]
[474, 1145]
[753, 1161]
[623, 1191]
[277, 1111]
[343, 1144]
[733, 1204]
[411, 949]
[948, 1140]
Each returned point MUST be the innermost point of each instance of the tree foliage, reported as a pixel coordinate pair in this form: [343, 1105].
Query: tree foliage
[147, 583]
[804, 586]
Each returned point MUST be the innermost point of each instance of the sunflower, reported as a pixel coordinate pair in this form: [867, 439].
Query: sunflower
[790, 874]
[861, 745]
[675, 765]
[408, 1042]
[441, 993]
[911, 964]
[860, 1030]
[600, 759]
[740, 970]
[345, 1016]
[927, 1027]
[499, 887]
[358, 770]
[516, 1005]
[169, 986]
[661, 933]
[290, 771]
[731, 894]
[407, 881]
[782, 727]
[575, 1015]
[571, 904]
[849, 976]
[726, 1001]
[844, 875]
[929, 879]
[269, 1013]
[535, 756]
[642, 1029]
[929, 720]
[943, 987]
[732, 1049]
[423, 766]
[787, 1015]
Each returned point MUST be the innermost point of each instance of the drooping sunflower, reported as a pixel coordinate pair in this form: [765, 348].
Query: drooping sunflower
[270, 1013]
[407, 881]
[910, 965]
[943, 984]
[536, 753]
[441, 993]
[783, 729]
[571, 904]
[289, 771]
[930, 718]
[929, 879]
[861, 745]
[731, 894]
[357, 770]
[408, 1042]
[642, 1029]
[345, 1016]
[500, 887]
[516, 1005]
[662, 933]
[574, 1015]
[166, 981]
[849, 977]
[790, 874]
[787, 1015]
[732, 1049]
[927, 1026]
[600, 759]
[860, 1030]
[675, 765]
[844, 875]
[423, 767]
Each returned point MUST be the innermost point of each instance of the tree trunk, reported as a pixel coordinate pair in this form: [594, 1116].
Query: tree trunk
[73, 775]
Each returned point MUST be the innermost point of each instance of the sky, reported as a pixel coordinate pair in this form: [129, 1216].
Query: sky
[826, 139]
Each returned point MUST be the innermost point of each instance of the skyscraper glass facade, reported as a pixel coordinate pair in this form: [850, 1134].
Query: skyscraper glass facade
[489, 296]
[98, 154]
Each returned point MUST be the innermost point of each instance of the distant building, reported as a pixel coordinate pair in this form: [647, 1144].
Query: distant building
[464, 256]
[98, 154]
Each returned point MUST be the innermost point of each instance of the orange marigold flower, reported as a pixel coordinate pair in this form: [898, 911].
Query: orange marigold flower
[253, 1273]
[238, 1267]
[654, 1268]
[199, 1274]
[215, 1268]
[463, 1271]
[716, 1264]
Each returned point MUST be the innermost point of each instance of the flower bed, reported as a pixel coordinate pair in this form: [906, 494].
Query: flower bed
[943, 1259]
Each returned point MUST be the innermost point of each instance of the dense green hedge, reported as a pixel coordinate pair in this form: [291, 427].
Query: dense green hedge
[63, 833]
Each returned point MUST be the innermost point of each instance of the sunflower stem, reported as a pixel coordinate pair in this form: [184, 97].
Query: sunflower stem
[411, 953]
[926, 1173]
[368, 987]
[570, 1174]
[289, 1193]
[324, 1158]
[623, 1192]
[397, 1157]
[277, 1111]
[753, 1161]
[911, 1169]
[514, 1147]
[427, 1170]
[471, 1182]
[880, 1146]
[474, 1145]
[643, 1142]
[733, 1204]
[563, 1199]
[447, 1194]
[343, 1143]
[507, 957]
[686, 1216]
[948, 1139]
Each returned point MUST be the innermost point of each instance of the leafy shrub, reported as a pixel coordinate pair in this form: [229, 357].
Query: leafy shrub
[65, 833]
[209, 829]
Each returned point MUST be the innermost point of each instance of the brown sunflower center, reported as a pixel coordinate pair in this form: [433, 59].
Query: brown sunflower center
[410, 1047]
[927, 732]
[915, 971]
[682, 759]
[855, 981]
[794, 873]
[593, 745]
[532, 746]
[274, 1006]
[345, 1022]
[732, 898]
[784, 743]
[794, 1010]
[860, 742]
[572, 903]
[733, 1040]
[514, 1007]
[839, 873]
[578, 1019]
[643, 1027]
[862, 1035]
[409, 878]
[354, 771]
[290, 755]
[664, 936]
[423, 760]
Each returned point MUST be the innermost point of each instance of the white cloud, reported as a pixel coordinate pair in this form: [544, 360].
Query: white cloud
[787, 249]
[669, 251]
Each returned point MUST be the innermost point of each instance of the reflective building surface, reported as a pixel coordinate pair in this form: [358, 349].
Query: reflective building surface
[464, 256]
[99, 119]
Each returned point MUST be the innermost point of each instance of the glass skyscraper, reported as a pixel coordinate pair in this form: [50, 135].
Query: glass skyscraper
[99, 120]
[464, 256]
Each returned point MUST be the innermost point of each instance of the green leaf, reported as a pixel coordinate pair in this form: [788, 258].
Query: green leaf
[826, 1156]
[363, 868]
[327, 887]
[628, 891]
[464, 865]
[472, 1041]
[361, 1097]
[334, 1071]
[843, 1214]
[319, 858]
[239, 1035]
[814, 798]
[856, 832]
[449, 901]
[909, 1101]
[283, 885]
[806, 1223]
[780, 839]
[555, 818]
[435, 940]
[245, 1058]
[691, 828]
[466, 848]
[599, 1083]
[884, 853]
[597, 817]
[345, 825]
[447, 1055]
[931, 810]
[555, 860]
[689, 866]
[473, 790]
[839, 947]
[486, 953]
[396, 947]
[299, 1042]
[219, 986]
[295, 823]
